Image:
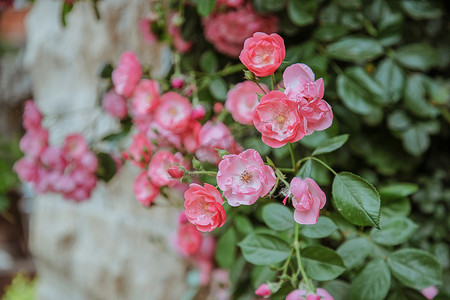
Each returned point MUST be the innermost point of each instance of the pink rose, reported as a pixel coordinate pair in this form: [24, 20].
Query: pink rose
[212, 136]
[204, 207]
[298, 79]
[191, 136]
[263, 290]
[174, 112]
[34, 142]
[198, 112]
[430, 292]
[321, 294]
[230, 3]
[31, 116]
[53, 158]
[244, 178]
[144, 190]
[308, 199]
[174, 31]
[188, 239]
[263, 54]
[89, 161]
[162, 136]
[242, 100]
[177, 82]
[140, 151]
[318, 115]
[228, 30]
[26, 169]
[278, 120]
[160, 163]
[127, 74]
[145, 26]
[175, 172]
[75, 146]
[146, 97]
[115, 105]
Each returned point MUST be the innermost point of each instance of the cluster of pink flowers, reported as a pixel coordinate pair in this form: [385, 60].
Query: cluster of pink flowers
[68, 170]
[166, 123]
[228, 29]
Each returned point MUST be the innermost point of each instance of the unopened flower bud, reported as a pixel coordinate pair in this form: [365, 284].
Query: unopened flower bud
[198, 112]
[177, 82]
[263, 290]
[218, 107]
[249, 75]
[175, 172]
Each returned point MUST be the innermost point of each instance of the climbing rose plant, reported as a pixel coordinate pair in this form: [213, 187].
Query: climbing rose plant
[241, 129]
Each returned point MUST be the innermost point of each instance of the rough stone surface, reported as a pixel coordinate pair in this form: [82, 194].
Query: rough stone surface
[109, 247]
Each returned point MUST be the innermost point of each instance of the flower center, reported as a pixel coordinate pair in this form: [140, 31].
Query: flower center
[246, 177]
[173, 111]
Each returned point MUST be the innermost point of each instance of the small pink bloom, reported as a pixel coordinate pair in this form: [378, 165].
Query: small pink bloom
[175, 172]
[79, 194]
[278, 120]
[298, 79]
[204, 207]
[32, 117]
[242, 100]
[230, 3]
[145, 26]
[26, 169]
[318, 115]
[198, 112]
[89, 161]
[263, 54]
[162, 136]
[34, 142]
[244, 178]
[191, 136]
[160, 163]
[207, 248]
[212, 136]
[174, 31]
[228, 30]
[430, 292]
[263, 290]
[146, 97]
[127, 74]
[321, 294]
[177, 82]
[205, 268]
[144, 190]
[308, 199]
[218, 107]
[188, 239]
[140, 151]
[174, 112]
[53, 158]
[115, 105]
[75, 146]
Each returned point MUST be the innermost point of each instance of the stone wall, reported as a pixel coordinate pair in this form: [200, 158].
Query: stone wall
[108, 247]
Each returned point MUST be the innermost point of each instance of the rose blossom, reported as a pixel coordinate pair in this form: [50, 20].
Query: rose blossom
[34, 142]
[242, 100]
[174, 112]
[228, 30]
[127, 74]
[198, 112]
[146, 97]
[140, 151]
[244, 178]
[188, 239]
[161, 161]
[32, 117]
[204, 207]
[53, 158]
[144, 190]
[174, 31]
[308, 199]
[298, 80]
[321, 294]
[278, 120]
[145, 26]
[191, 136]
[263, 54]
[430, 292]
[26, 169]
[75, 146]
[263, 290]
[115, 105]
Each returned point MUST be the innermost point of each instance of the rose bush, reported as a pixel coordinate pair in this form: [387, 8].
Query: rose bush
[290, 217]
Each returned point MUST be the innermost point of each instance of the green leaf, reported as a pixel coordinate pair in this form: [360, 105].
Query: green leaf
[415, 268]
[372, 283]
[354, 252]
[398, 190]
[278, 217]
[338, 289]
[66, 9]
[322, 263]
[302, 12]
[263, 249]
[419, 56]
[306, 170]
[205, 7]
[391, 77]
[394, 231]
[415, 97]
[355, 49]
[208, 62]
[331, 144]
[226, 249]
[323, 228]
[416, 140]
[218, 88]
[106, 167]
[421, 10]
[262, 274]
[243, 225]
[396, 207]
[398, 120]
[328, 33]
[268, 5]
[356, 199]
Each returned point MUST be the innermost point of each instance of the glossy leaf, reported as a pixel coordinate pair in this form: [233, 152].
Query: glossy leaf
[415, 268]
[415, 97]
[394, 231]
[205, 7]
[391, 77]
[303, 12]
[331, 145]
[323, 228]
[417, 56]
[416, 140]
[356, 199]
[226, 249]
[398, 190]
[355, 49]
[372, 283]
[354, 252]
[263, 249]
[322, 263]
[218, 88]
[278, 217]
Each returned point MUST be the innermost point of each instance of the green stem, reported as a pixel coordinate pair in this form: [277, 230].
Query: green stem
[299, 163]
[291, 151]
[280, 175]
[273, 81]
[299, 260]
[210, 173]
[260, 87]
[287, 170]
[325, 165]
[230, 70]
